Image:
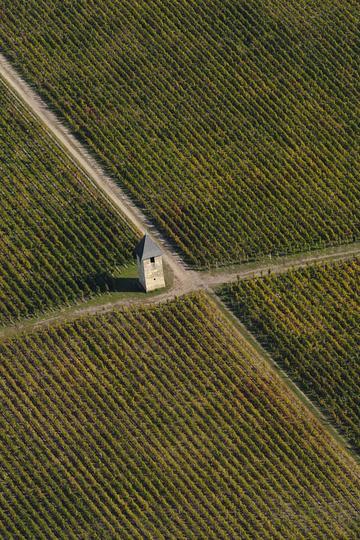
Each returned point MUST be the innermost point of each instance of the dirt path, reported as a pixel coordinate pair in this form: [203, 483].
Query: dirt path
[280, 264]
[78, 153]
[195, 281]
[185, 280]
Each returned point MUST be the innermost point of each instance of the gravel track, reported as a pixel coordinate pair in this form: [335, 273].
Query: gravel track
[185, 280]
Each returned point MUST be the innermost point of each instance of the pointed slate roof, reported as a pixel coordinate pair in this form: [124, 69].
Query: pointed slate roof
[147, 248]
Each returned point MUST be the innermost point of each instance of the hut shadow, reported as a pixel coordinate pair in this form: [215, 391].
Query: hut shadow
[125, 285]
[103, 282]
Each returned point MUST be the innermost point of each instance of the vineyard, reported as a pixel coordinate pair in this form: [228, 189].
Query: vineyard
[161, 423]
[233, 127]
[309, 322]
[57, 233]
[233, 124]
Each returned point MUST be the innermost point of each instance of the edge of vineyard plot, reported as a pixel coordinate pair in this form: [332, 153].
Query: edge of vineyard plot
[234, 125]
[60, 239]
[162, 422]
[308, 320]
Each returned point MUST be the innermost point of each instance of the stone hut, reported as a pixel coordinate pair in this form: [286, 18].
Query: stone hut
[149, 263]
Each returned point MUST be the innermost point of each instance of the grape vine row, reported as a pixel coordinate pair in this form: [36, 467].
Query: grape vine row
[58, 235]
[160, 422]
[233, 124]
[309, 321]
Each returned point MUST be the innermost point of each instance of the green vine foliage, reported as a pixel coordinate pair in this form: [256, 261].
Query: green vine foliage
[309, 322]
[160, 422]
[57, 232]
[233, 124]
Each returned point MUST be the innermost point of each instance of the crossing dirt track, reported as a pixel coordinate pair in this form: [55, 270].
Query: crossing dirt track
[185, 279]
[222, 406]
